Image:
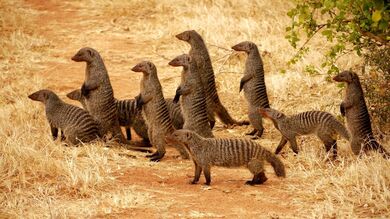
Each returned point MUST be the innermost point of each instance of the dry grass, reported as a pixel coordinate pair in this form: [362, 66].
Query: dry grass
[41, 178]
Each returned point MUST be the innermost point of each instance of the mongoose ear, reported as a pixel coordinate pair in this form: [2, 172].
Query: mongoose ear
[90, 53]
[189, 59]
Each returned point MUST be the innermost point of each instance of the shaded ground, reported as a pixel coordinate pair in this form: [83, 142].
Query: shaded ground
[69, 28]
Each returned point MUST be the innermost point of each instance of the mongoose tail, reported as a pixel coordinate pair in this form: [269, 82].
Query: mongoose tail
[202, 58]
[276, 163]
[354, 108]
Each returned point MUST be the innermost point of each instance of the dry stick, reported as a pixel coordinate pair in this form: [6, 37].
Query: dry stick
[224, 62]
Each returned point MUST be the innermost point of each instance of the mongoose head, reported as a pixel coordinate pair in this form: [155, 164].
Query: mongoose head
[42, 95]
[346, 76]
[85, 54]
[183, 136]
[75, 95]
[245, 46]
[181, 60]
[271, 114]
[145, 67]
[189, 36]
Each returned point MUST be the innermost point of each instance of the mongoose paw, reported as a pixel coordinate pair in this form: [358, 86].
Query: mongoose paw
[84, 91]
[250, 183]
[193, 182]
[206, 183]
[155, 159]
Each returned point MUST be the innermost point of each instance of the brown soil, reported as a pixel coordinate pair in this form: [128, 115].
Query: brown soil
[68, 28]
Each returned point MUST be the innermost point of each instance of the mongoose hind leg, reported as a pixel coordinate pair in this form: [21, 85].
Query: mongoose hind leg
[256, 167]
[206, 172]
[256, 121]
[356, 146]
[198, 171]
[330, 144]
[128, 133]
[257, 179]
[282, 143]
[54, 132]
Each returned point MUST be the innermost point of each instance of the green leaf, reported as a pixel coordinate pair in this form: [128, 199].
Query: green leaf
[376, 16]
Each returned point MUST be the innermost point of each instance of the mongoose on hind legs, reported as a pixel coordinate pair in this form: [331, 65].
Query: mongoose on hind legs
[76, 124]
[202, 59]
[355, 110]
[322, 124]
[254, 85]
[98, 93]
[208, 152]
[193, 100]
[155, 111]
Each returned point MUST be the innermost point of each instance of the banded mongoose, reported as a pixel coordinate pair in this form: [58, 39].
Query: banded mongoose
[355, 110]
[98, 93]
[129, 116]
[202, 59]
[207, 152]
[320, 123]
[253, 84]
[193, 100]
[76, 124]
[155, 111]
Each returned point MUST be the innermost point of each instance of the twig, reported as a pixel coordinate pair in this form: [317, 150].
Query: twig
[219, 47]
[224, 62]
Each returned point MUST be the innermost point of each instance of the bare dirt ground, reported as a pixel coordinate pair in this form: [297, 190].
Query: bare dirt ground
[69, 30]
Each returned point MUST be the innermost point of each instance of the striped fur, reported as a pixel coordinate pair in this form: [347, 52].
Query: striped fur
[202, 59]
[98, 93]
[207, 152]
[175, 113]
[155, 110]
[253, 84]
[193, 100]
[76, 124]
[322, 124]
[358, 119]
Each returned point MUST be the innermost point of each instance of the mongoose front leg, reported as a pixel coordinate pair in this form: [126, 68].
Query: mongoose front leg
[344, 106]
[293, 145]
[206, 172]
[141, 100]
[198, 171]
[181, 90]
[86, 88]
[54, 132]
[282, 143]
[128, 133]
[244, 79]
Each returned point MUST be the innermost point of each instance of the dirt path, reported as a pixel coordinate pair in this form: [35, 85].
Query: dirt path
[69, 27]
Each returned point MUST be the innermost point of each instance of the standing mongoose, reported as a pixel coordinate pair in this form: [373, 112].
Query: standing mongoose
[130, 116]
[98, 93]
[77, 125]
[322, 124]
[193, 100]
[355, 110]
[155, 111]
[254, 85]
[202, 59]
[207, 152]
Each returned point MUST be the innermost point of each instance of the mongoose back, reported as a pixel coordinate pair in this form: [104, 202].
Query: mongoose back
[193, 100]
[155, 111]
[202, 59]
[355, 110]
[322, 124]
[98, 93]
[207, 152]
[76, 124]
[254, 85]
[175, 113]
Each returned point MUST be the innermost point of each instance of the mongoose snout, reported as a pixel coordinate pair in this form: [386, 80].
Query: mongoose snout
[344, 76]
[185, 36]
[41, 96]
